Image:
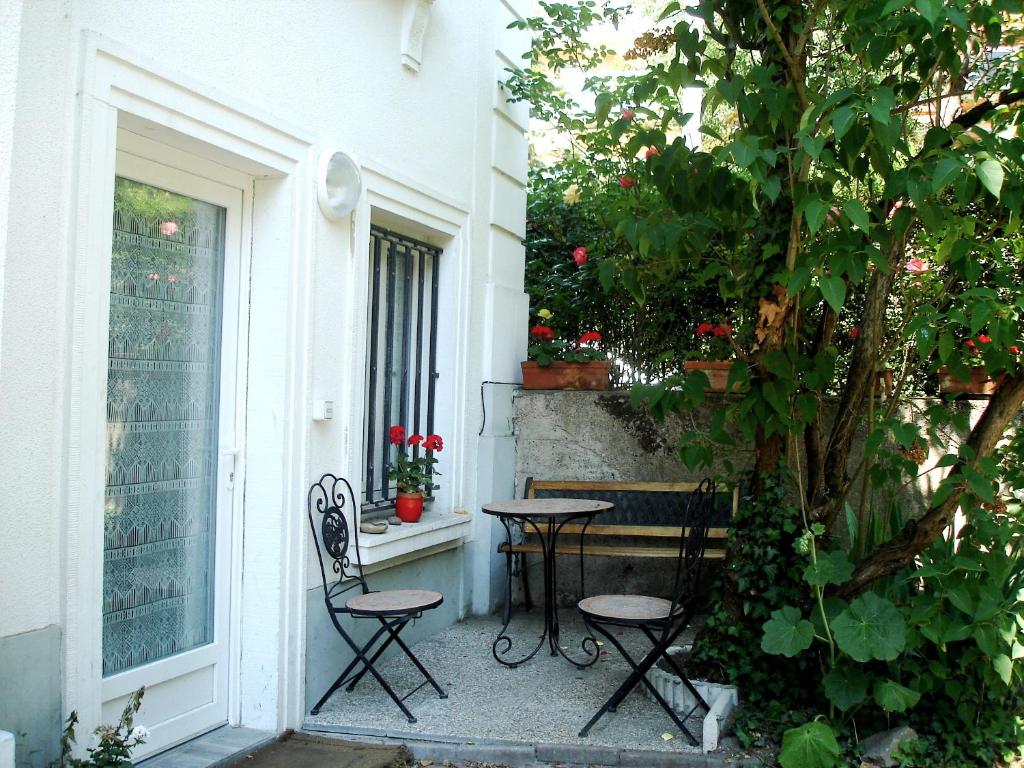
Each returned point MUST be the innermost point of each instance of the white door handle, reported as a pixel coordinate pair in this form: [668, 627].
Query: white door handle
[232, 455]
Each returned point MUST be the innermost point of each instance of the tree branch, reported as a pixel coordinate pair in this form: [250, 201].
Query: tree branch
[791, 63]
[862, 366]
[917, 535]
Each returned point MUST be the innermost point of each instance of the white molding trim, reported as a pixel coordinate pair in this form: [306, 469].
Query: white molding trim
[121, 88]
[414, 32]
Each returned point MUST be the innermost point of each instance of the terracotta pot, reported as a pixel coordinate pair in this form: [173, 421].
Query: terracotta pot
[717, 372]
[563, 375]
[409, 507]
[980, 382]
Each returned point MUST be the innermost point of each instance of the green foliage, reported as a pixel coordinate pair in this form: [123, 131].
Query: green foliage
[853, 215]
[568, 208]
[786, 633]
[812, 745]
[116, 742]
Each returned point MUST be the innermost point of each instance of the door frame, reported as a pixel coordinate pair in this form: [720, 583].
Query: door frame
[149, 162]
[118, 88]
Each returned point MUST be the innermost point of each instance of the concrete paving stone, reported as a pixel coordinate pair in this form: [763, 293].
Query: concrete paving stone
[578, 754]
[307, 751]
[651, 759]
[495, 754]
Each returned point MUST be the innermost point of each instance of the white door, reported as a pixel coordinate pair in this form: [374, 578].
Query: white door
[172, 382]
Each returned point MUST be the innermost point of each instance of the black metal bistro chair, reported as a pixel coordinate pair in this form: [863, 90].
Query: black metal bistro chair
[393, 609]
[659, 619]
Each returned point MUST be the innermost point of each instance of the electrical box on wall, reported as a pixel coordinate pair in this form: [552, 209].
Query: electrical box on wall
[323, 410]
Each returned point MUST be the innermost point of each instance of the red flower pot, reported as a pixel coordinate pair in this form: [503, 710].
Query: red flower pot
[409, 507]
[562, 375]
[980, 382]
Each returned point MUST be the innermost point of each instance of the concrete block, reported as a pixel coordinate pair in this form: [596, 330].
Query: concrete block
[723, 700]
[577, 754]
[652, 759]
[6, 749]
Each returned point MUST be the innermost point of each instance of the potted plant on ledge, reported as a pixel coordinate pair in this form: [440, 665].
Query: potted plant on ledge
[713, 341]
[413, 473]
[559, 364]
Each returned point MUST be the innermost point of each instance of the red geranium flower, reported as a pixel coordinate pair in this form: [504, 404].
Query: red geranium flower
[626, 182]
[703, 328]
[985, 339]
[854, 332]
[396, 435]
[580, 256]
[543, 332]
[590, 336]
[415, 439]
[433, 443]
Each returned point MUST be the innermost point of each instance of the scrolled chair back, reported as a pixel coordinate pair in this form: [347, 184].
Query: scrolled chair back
[326, 504]
[692, 543]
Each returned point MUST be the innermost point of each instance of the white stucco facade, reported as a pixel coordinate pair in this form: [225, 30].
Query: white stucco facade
[251, 93]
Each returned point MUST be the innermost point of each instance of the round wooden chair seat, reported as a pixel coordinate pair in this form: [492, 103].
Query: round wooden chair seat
[626, 607]
[395, 602]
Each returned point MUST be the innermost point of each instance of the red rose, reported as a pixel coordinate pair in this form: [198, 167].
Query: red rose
[626, 182]
[854, 332]
[580, 256]
[590, 336]
[985, 339]
[433, 443]
[721, 330]
[627, 114]
[396, 435]
[651, 152]
[1014, 350]
[415, 439]
[703, 328]
[542, 332]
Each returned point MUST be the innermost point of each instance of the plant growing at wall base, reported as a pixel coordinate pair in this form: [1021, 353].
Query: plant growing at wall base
[116, 742]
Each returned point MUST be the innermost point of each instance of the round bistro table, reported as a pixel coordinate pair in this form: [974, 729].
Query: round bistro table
[547, 517]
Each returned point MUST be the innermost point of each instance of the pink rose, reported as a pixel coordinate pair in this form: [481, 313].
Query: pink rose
[168, 228]
[580, 256]
[627, 114]
[916, 266]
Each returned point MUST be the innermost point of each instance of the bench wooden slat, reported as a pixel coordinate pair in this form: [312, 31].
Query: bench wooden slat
[657, 531]
[609, 551]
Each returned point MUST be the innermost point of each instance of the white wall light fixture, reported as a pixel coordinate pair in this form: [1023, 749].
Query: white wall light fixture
[338, 184]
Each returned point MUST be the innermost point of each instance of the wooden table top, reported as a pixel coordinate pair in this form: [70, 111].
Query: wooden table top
[548, 508]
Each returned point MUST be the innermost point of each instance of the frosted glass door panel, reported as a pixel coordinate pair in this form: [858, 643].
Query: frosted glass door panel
[162, 413]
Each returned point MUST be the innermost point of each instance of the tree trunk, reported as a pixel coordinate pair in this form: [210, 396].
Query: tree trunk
[917, 535]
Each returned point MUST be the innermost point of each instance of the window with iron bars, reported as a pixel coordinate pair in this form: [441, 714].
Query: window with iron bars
[401, 352]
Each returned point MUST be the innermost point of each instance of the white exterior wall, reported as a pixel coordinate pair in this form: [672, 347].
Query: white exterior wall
[441, 157]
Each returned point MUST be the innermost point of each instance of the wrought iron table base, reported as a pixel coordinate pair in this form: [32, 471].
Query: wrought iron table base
[552, 630]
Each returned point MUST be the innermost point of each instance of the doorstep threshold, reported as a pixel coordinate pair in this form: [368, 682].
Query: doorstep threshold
[219, 748]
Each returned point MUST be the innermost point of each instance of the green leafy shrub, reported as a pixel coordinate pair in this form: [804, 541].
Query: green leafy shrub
[116, 742]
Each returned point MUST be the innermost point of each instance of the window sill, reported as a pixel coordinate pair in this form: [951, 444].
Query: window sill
[433, 529]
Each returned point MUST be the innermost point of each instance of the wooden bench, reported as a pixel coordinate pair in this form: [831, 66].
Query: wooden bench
[645, 522]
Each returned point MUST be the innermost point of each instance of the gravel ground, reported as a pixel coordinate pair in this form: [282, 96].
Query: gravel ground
[544, 701]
